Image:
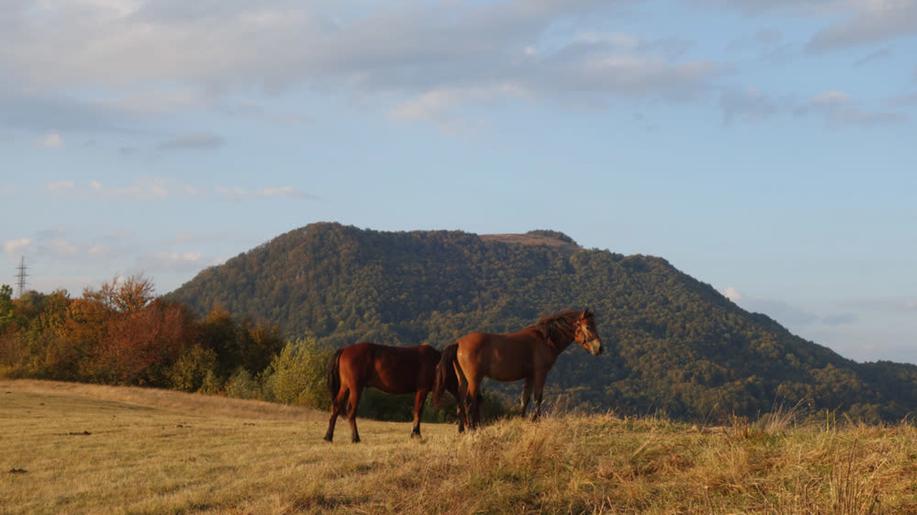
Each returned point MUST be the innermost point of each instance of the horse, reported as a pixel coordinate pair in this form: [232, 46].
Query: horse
[396, 370]
[525, 354]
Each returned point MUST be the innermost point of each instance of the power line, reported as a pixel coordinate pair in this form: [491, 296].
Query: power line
[22, 273]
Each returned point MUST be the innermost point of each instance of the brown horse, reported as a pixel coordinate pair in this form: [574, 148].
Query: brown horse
[526, 354]
[396, 370]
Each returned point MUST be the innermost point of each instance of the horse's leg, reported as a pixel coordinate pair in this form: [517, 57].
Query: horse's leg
[538, 385]
[337, 406]
[461, 398]
[352, 414]
[474, 397]
[526, 395]
[419, 398]
[460, 415]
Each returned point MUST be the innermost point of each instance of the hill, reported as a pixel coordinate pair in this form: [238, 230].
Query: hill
[675, 344]
[78, 448]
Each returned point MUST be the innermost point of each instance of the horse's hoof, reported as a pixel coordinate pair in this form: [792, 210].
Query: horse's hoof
[415, 434]
[354, 440]
[328, 438]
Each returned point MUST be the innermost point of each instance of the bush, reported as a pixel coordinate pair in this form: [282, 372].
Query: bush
[194, 369]
[242, 385]
[297, 374]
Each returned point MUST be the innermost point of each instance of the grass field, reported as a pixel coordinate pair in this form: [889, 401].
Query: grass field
[85, 448]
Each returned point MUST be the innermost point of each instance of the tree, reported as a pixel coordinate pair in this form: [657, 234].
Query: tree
[6, 306]
[124, 295]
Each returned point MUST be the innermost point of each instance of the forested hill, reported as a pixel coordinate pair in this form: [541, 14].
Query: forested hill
[674, 344]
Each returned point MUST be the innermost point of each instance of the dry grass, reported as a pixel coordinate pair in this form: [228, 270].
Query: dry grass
[159, 451]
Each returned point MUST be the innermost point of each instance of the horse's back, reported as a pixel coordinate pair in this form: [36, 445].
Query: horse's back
[501, 356]
[392, 369]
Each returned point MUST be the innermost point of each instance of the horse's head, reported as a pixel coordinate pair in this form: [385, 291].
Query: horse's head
[585, 334]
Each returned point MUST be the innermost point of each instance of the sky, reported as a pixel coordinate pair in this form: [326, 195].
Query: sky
[766, 147]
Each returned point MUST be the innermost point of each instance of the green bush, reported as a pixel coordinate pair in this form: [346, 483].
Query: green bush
[297, 374]
[241, 385]
[194, 370]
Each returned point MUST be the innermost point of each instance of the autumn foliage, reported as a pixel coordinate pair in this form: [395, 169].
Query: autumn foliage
[122, 333]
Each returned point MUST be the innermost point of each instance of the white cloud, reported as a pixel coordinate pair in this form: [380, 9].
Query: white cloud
[436, 104]
[98, 250]
[280, 191]
[787, 314]
[869, 21]
[750, 104]
[61, 185]
[195, 141]
[240, 193]
[141, 189]
[144, 57]
[172, 261]
[61, 247]
[16, 246]
[732, 294]
[837, 108]
[52, 140]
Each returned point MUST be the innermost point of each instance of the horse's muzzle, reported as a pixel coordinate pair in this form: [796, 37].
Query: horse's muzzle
[595, 347]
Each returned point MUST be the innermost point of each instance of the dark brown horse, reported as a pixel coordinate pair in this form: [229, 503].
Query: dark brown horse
[396, 370]
[526, 354]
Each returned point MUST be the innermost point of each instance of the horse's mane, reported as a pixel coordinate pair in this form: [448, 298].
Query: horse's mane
[559, 324]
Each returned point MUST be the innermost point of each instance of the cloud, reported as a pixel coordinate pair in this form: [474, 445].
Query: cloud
[163, 188]
[61, 186]
[871, 21]
[60, 247]
[141, 189]
[878, 55]
[44, 111]
[756, 7]
[196, 141]
[787, 314]
[436, 104]
[748, 104]
[98, 250]
[732, 294]
[172, 261]
[142, 57]
[51, 140]
[836, 108]
[16, 246]
[239, 193]
[887, 305]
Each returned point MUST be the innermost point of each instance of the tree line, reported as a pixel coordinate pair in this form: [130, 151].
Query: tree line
[123, 334]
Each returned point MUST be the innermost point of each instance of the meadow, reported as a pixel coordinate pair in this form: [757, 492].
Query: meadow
[67, 447]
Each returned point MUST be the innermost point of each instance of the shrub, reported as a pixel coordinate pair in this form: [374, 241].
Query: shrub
[297, 374]
[242, 385]
[193, 369]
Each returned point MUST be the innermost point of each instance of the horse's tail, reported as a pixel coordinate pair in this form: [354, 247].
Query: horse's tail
[444, 372]
[334, 375]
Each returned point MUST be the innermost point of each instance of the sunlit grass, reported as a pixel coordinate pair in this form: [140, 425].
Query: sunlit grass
[162, 451]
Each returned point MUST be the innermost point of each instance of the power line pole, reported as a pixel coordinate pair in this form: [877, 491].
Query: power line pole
[21, 275]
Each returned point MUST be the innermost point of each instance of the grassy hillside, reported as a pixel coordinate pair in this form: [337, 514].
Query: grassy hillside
[84, 448]
[675, 344]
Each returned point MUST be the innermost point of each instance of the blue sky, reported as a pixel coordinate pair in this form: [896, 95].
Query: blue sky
[766, 147]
